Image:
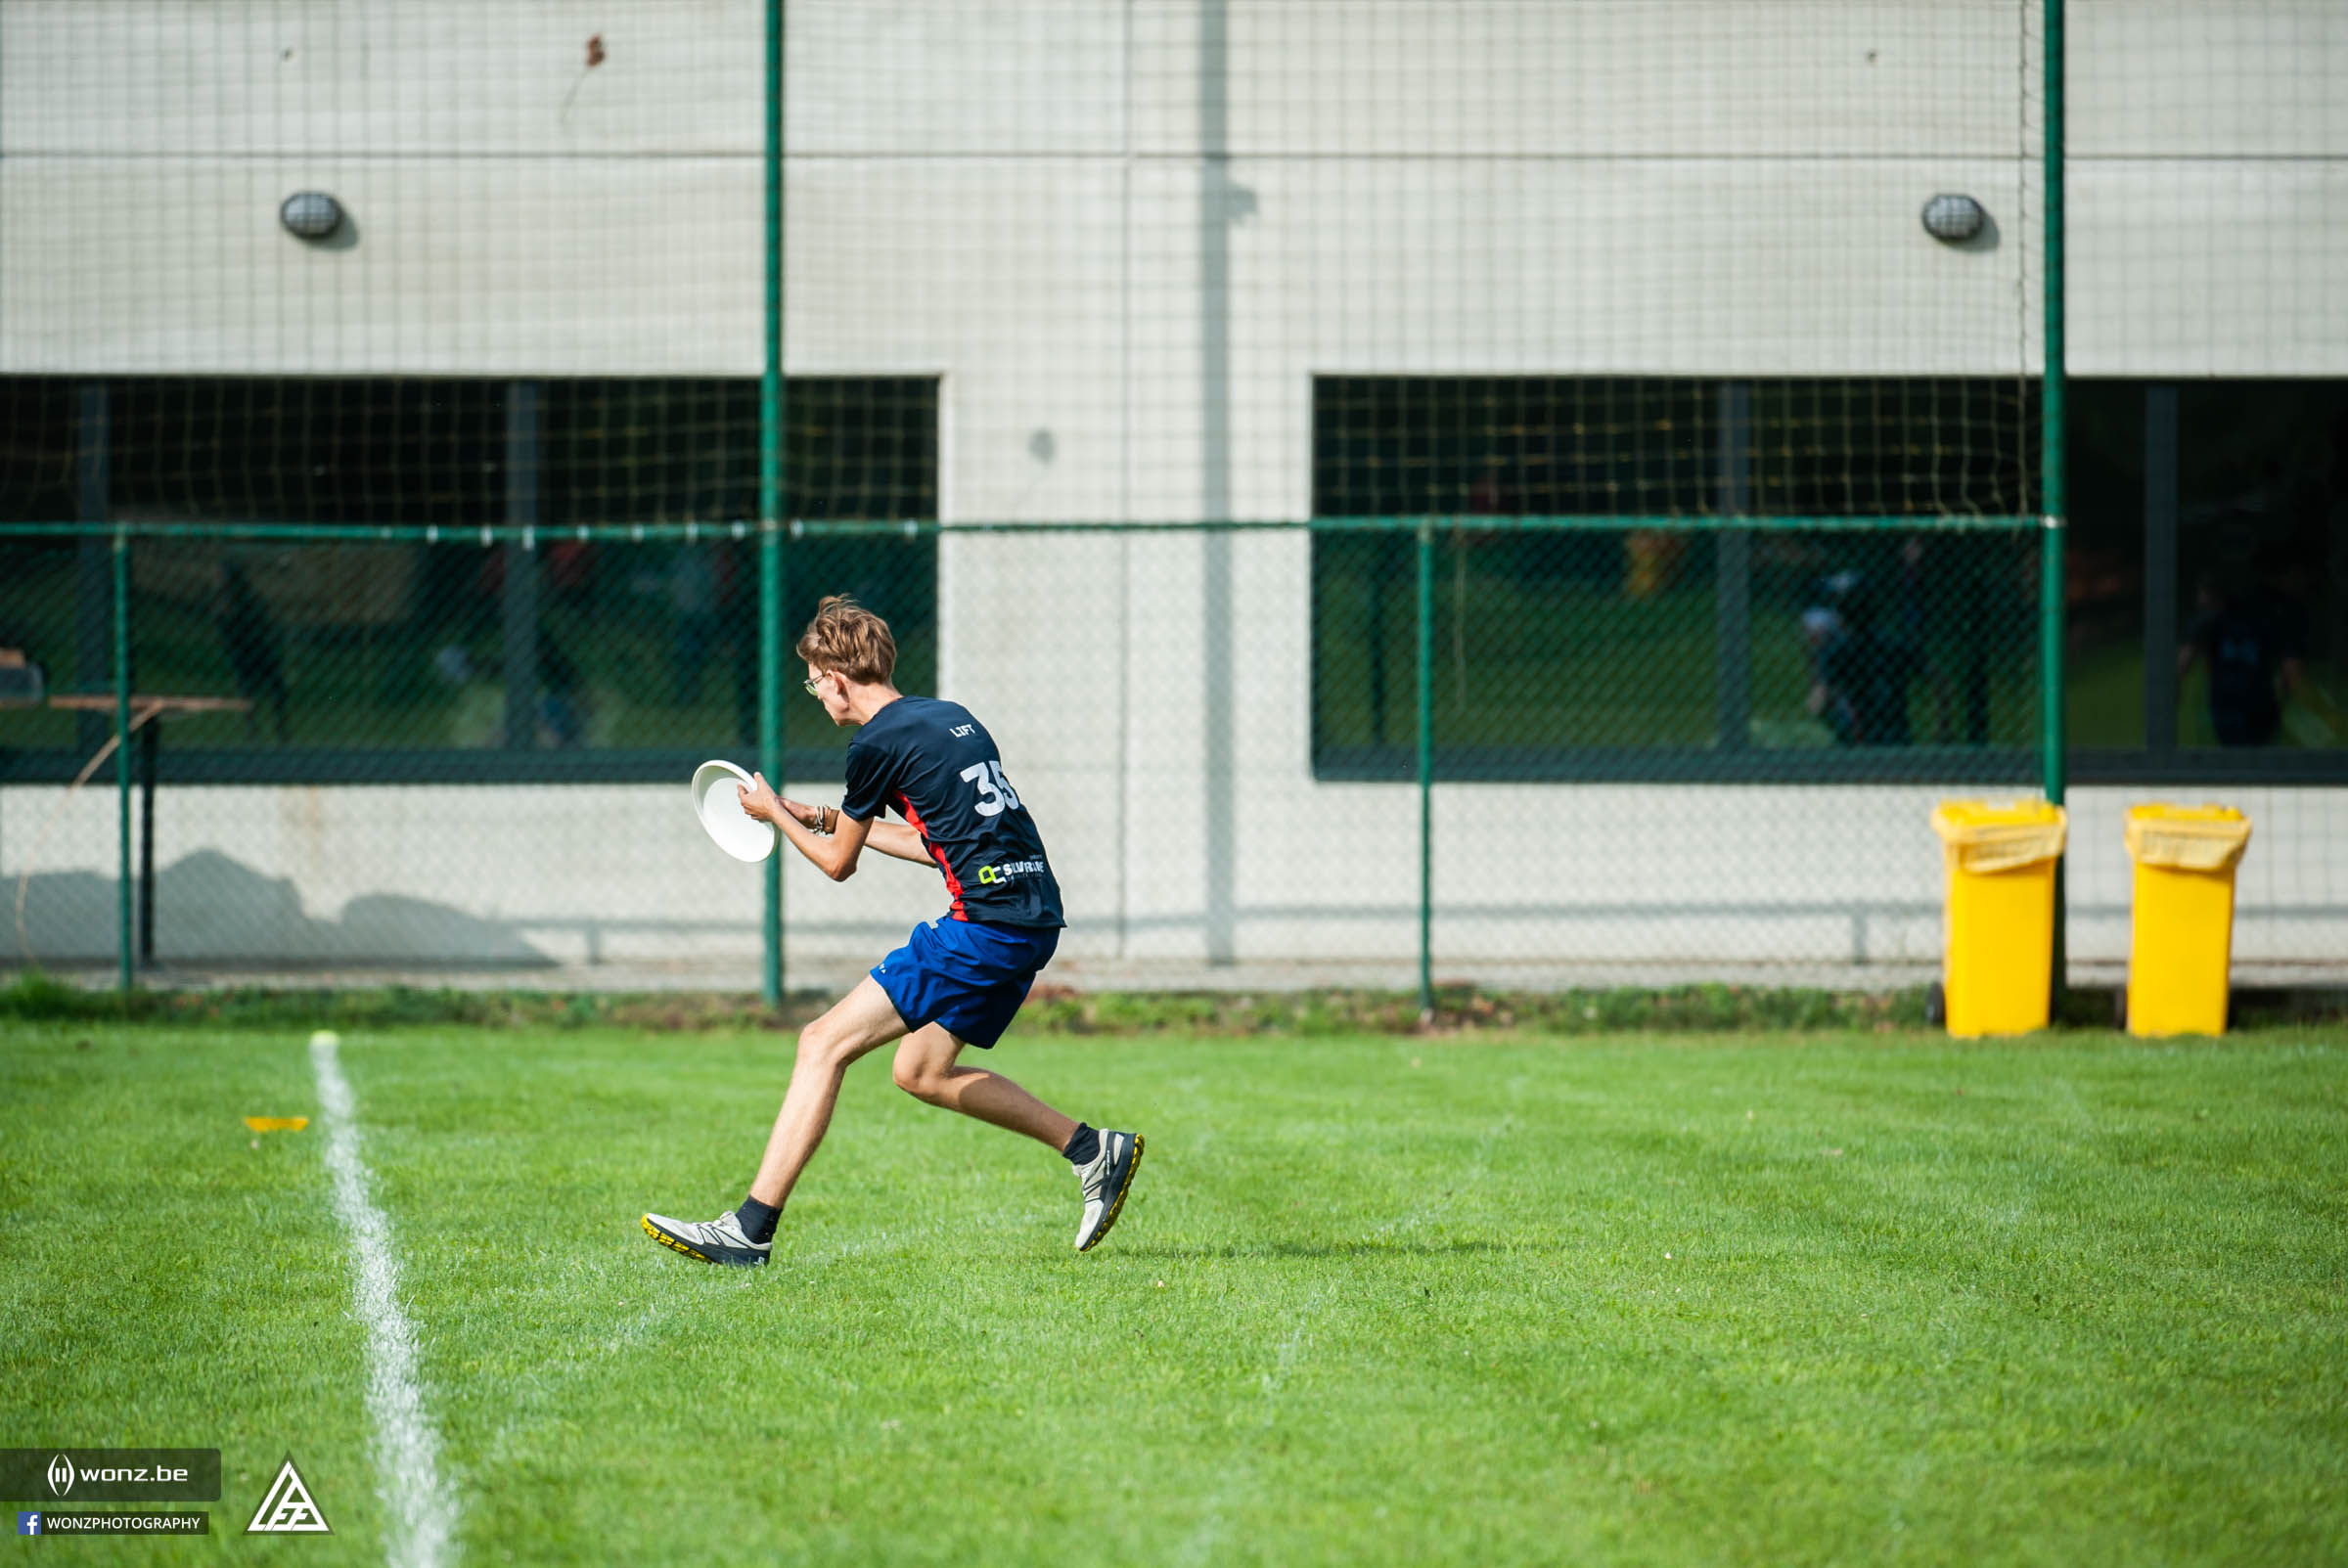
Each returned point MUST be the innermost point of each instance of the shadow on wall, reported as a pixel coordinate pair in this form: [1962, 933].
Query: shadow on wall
[209, 908]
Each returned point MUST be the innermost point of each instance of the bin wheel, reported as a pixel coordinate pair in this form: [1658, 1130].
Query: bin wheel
[1936, 1006]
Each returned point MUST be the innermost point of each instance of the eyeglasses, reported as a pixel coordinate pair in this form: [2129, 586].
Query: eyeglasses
[813, 690]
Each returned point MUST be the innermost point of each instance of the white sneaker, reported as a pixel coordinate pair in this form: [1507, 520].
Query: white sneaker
[718, 1240]
[1105, 1183]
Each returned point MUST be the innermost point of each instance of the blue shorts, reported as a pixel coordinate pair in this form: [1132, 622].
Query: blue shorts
[968, 976]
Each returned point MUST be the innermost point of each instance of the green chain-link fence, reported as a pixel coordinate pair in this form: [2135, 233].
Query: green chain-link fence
[467, 748]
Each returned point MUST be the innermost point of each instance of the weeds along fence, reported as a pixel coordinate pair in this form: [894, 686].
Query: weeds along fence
[1524, 493]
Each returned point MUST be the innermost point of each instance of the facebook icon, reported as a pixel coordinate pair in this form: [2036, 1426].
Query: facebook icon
[29, 1524]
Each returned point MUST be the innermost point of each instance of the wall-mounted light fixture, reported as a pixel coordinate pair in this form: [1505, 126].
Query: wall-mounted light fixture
[1952, 217]
[310, 215]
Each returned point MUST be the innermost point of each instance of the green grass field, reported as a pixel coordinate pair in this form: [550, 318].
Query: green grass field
[1769, 1298]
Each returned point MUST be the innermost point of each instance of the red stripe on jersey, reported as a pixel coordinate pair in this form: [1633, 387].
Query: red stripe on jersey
[953, 882]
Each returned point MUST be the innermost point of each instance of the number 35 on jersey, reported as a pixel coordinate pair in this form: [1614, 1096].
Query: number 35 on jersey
[994, 790]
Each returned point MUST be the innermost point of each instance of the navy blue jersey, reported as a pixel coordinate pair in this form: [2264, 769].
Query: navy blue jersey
[939, 767]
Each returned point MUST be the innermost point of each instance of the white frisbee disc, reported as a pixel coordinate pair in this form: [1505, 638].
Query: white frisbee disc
[720, 810]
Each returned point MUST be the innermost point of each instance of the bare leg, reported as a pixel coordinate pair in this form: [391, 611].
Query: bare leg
[924, 1069]
[859, 1022]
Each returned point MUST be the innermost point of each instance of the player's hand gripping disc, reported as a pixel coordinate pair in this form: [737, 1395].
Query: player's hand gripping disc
[719, 807]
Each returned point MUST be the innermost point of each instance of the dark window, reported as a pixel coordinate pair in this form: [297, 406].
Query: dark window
[1614, 652]
[1554, 446]
[368, 659]
[2208, 580]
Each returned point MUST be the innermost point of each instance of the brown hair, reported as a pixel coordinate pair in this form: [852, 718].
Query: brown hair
[846, 639]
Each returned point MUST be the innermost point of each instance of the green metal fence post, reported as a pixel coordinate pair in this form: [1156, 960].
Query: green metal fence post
[770, 506]
[2054, 499]
[122, 871]
[1426, 769]
[770, 747]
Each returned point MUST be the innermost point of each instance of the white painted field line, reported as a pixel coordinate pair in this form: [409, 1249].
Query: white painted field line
[1208, 1537]
[407, 1448]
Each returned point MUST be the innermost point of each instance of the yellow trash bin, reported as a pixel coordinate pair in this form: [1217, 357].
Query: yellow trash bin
[2181, 947]
[1998, 969]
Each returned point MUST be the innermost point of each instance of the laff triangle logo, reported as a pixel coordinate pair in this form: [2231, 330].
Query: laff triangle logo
[288, 1510]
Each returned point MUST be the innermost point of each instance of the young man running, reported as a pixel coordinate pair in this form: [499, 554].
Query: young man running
[959, 980]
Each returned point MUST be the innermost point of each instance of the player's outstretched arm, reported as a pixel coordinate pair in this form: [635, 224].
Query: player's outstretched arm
[890, 838]
[895, 838]
[834, 857]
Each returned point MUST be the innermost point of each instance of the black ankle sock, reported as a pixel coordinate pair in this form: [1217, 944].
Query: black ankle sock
[757, 1219]
[1084, 1145]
